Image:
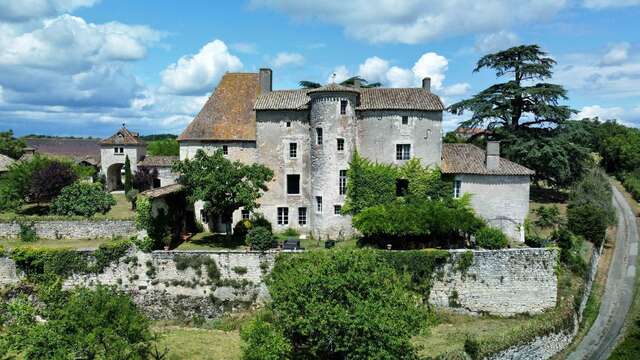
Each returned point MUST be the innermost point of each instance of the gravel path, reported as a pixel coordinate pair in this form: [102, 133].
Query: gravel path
[619, 290]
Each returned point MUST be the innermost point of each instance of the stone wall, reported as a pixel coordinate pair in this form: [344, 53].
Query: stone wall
[68, 229]
[504, 282]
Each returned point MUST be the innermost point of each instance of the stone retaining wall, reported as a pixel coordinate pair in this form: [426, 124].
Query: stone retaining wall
[68, 229]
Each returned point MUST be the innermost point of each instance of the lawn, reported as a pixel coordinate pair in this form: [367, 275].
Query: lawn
[39, 212]
[197, 343]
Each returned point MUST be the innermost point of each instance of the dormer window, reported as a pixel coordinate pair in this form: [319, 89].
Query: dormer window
[343, 107]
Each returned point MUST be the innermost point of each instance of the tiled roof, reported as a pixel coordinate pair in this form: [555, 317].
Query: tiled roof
[470, 159]
[158, 161]
[370, 99]
[228, 114]
[123, 137]
[77, 149]
[162, 191]
[5, 162]
[333, 87]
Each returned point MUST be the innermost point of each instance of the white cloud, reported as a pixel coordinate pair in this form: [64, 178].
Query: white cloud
[339, 74]
[399, 77]
[603, 113]
[601, 4]
[493, 42]
[617, 54]
[197, 74]
[458, 89]
[24, 10]
[286, 58]
[415, 21]
[245, 48]
[431, 65]
[374, 69]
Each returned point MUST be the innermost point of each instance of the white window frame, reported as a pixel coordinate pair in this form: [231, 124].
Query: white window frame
[302, 216]
[283, 216]
[403, 152]
[457, 189]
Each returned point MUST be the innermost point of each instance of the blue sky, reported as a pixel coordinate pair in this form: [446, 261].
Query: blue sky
[83, 67]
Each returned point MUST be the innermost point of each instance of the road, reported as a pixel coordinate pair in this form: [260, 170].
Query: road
[619, 290]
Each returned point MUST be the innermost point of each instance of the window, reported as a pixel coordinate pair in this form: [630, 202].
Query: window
[319, 136]
[337, 209]
[204, 216]
[118, 151]
[283, 216]
[340, 144]
[342, 182]
[225, 150]
[302, 216]
[403, 151]
[319, 204]
[402, 187]
[288, 123]
[157, 183]
[293, 184]
[293, 150]
[245, 214]
[405, 120]
[457, 185]
[343, 107]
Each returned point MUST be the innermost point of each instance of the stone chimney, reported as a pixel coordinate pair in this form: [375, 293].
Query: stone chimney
[426, 84]
[493, 155]
[265, 76]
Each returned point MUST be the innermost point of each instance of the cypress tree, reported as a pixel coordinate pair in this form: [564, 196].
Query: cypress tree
[128, 181]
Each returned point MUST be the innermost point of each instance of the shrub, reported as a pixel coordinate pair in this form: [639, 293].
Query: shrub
[132, 196]
[570, 247]
[262, 341]
[82, 199]
[355, 306]
[589, 221]
[535, 241]
[472, 348]
[291, 232]
[547, 217]
[259, 238]
[27, 232]
[143, 178]
[128, 178]
[241, 229]
[258, 220]
[491, 238]
[631, 182]
[47, 182]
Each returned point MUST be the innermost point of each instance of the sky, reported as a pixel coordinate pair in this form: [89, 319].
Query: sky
[84, 67]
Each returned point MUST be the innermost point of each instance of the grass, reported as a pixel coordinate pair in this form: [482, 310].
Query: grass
[39, 212]
[197, 343]
[55, 244]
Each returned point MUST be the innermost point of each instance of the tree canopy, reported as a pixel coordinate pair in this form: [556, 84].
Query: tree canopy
[224, 185]
[10, 146]
[164, 147]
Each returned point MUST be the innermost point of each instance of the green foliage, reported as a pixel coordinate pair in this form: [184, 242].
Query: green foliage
[259, 238]
[27, 232]
[629, 347]
[196, 263]
[417, 265]
[491, 238]
[570, 247]
[419, 221]
[15, 184]
[223, 185]
[631, 182]
[47, 182]
[348, 82]
[472, 348]
[128, 176]
[355, 306]
[590, 210]
[82, 199]
[548, 217]
[157, 227]
[464, 262]
[291, 232]
[258, 220]
[242, 228]
[263, 341]
[240, 270]
[45, 265]
[165, 147]
[108, 253]
[89, 324]
[10, 146]
[132, 196]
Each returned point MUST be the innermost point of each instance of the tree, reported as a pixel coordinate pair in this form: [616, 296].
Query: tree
[128, 180]
[82, 199]
[516, 103]
[223, 185]
[143, 178]
[48, 181]
[348, 82]
[355, 306]
[10, 146]
[164, 147]
[87, 324]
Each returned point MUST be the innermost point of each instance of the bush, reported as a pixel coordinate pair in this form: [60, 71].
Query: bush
[355, 306]
[291, 232]
[589, 221]
[548, 217]
[82, 199]
[262, 341]
[258, 220]
[535, 241]
[242, 228]
[259, 238]
[47, 182]
[491, 238]
[27, 232]
[570, 247]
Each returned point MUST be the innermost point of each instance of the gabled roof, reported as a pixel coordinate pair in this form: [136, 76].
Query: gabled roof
[370, 99]
[77, 149]
[333, 87]
[470, 159]
[5, 162]
[123, 137]
[158, 161]
[228, 114]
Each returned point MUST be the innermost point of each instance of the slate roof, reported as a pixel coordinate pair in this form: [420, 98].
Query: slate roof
[123, 137]
[470, 159]
[5, 162]
[228, 114]
[77, 149]
[333, 87]
[158, 161]
[370, 99]
[162, 191]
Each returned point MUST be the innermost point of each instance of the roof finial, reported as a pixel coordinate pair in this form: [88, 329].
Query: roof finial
[123, 125]
[333, 78]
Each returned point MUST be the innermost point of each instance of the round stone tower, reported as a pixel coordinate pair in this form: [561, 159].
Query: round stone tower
[333, 142]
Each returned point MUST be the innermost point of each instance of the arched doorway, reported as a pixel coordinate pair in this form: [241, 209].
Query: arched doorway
[114, 177]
